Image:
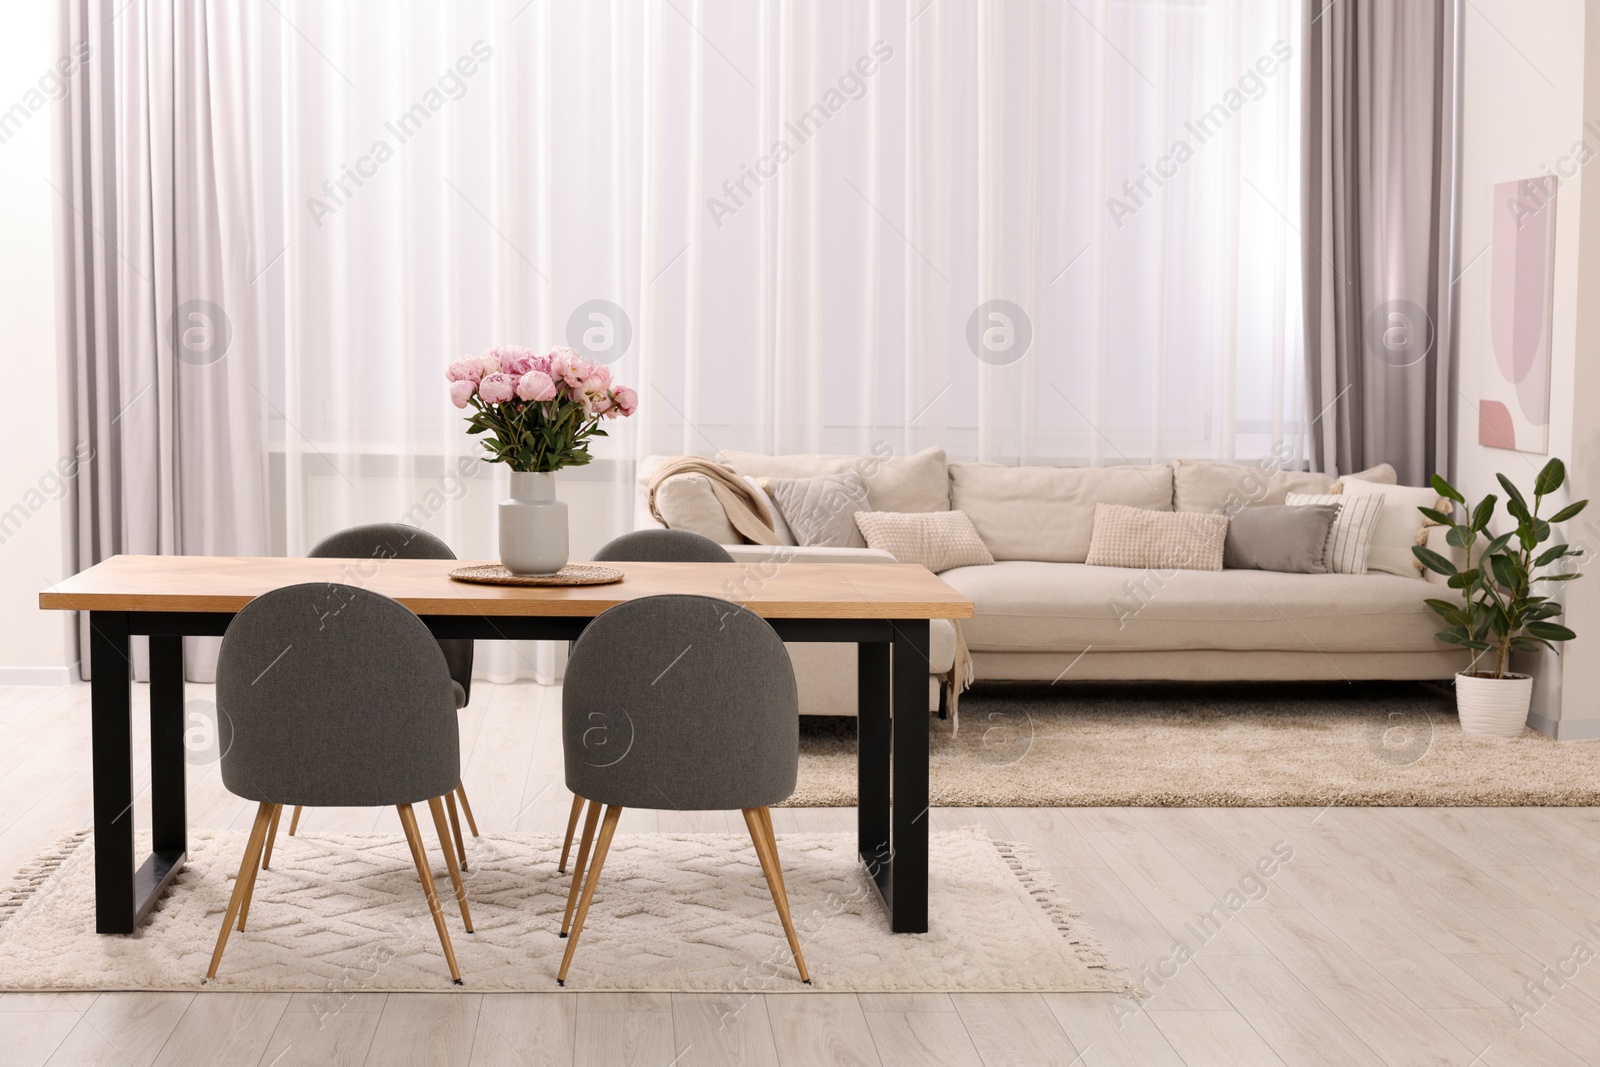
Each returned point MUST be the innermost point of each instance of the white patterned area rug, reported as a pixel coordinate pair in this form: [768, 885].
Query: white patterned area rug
[342, 913]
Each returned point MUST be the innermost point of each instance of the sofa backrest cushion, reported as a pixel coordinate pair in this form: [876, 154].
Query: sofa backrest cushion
[1223, 488]
[1047, 513]
[894, 483]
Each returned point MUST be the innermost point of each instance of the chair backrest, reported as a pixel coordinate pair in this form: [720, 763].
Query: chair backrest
[680, 702]
[397, 540]
[328, 694]
[662, 546]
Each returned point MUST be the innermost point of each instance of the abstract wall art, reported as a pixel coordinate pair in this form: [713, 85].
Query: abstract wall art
[1514, 391]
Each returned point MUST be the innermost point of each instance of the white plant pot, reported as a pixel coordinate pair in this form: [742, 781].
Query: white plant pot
[1494, 706]
[533, 526]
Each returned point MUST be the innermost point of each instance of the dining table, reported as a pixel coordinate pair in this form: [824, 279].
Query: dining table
[882, 608]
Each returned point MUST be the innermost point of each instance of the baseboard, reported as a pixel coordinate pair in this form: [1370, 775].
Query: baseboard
[1565, 729]
[39, 675]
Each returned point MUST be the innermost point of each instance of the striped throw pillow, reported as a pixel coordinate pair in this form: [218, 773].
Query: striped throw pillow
[1350, 536]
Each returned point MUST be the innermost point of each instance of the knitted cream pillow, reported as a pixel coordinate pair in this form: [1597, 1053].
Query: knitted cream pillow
[1164, 540]
[939, 540]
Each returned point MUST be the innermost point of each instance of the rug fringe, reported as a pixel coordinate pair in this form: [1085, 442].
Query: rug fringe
[31, 878]
[1025, 866]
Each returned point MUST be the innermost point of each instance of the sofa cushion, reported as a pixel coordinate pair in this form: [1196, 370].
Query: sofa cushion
[1055, 607]
[1047, 513]
[1224, 488]
[1276, 537]
[1139, 537]
[1400, 525]
[1350, 537]
[821, 510]
[894, 483]
[938, 540]
[686, 502]
[1383, 474]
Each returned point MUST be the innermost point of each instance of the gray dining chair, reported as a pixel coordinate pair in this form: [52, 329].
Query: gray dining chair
[329, 695]
[372, 544]
[645, 546]
[681, 703]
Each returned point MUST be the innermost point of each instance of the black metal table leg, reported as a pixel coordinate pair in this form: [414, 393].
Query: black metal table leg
[873, 733]
[169, 821]
[113, 772]
[908, 891]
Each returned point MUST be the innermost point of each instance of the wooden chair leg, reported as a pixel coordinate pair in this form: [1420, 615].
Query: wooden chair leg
[420, 856]
[272, 837]
[572, 825]
[294, 820]
[437, 807]
[607, 830]
[250, 885]
[252, 854]
[466, 809]
[766, 843]
[577, 870]
[455, 830]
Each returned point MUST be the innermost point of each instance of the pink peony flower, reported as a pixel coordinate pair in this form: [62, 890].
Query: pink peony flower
[496, 388]
[517, 361]
[465, 369]
[627, 401]
[461, 391]
[491, 361]
[564, 362]
[536, 385]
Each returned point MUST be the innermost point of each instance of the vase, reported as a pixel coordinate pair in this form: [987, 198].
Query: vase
[1494, 706]
[533, 525]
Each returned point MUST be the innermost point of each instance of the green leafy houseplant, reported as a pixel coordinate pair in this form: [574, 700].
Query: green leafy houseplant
[1500, 611]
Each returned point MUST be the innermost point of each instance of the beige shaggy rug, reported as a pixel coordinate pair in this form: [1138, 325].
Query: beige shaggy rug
[344, 913]
[1215, 745]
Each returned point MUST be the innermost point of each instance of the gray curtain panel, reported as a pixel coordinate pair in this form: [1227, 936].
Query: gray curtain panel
[1379, 206]
[156, 263]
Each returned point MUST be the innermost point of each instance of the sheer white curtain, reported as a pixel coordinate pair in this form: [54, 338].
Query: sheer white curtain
[798, 209]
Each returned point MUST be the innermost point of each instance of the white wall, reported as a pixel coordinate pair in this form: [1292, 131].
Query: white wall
[1580, 710]
[1523, 108]
[34, 646]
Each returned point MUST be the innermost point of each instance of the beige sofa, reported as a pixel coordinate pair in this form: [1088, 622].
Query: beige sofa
[1042, 614]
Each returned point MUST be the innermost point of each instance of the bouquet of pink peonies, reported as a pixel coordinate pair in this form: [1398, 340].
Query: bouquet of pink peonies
[539, 411]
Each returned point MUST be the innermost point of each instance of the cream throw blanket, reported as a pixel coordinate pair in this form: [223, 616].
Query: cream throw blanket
[746, 512]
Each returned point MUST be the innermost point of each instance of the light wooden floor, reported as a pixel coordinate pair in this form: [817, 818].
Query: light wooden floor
[1392, 936]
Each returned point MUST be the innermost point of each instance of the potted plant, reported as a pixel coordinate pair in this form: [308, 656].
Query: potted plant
[1500, 611]
[538, 412]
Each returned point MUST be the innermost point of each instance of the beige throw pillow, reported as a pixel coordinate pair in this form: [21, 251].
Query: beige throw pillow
[1159, 540]
[821, 511]
[939, 540]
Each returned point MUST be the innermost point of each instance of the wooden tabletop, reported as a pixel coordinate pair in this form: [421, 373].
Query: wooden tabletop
[774, 591]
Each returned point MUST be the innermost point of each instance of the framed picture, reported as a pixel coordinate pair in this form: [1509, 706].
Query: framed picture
[1514, 389]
